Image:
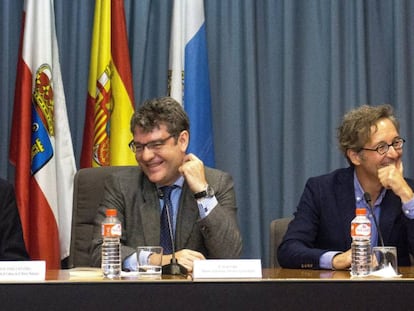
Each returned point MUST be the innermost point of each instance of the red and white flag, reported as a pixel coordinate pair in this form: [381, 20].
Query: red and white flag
[41, 144]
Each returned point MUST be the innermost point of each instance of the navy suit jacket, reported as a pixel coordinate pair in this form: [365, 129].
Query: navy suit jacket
[11, 236]
[323, 218]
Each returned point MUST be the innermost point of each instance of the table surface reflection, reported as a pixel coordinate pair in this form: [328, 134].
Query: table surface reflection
[407, 273]
[268, 275]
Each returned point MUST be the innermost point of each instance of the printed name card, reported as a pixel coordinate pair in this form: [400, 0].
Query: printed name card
[23, 270]
[227, 269]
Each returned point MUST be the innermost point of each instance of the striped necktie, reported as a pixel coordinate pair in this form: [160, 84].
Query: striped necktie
[166, 237]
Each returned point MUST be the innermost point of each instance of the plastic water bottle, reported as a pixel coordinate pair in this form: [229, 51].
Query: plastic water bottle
[111, 246]
[361, 243]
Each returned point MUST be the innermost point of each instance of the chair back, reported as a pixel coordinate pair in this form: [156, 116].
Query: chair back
[88, 191]
[278, 229]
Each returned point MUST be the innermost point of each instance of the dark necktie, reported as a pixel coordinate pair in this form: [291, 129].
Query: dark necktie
[165, 236]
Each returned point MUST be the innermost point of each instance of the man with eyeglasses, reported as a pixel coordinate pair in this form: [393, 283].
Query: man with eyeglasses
[319, 235]
[202, 200]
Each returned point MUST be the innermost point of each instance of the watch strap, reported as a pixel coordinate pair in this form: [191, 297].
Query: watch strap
[208, 192]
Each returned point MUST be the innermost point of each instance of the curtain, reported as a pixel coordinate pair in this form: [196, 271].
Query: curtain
[283, 72]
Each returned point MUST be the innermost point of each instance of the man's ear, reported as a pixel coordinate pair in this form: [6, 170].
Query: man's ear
[354, 157]
[184, 140]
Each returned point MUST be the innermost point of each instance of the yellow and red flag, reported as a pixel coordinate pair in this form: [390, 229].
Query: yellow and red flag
[110, 102]
[41, 144]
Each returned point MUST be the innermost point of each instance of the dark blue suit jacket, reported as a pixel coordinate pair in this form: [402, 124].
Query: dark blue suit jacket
[323, 219]
[11, 236]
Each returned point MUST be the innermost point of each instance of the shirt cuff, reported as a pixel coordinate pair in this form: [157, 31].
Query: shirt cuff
[130, 263]
[325, 261]
[206, 205]
[408, 209]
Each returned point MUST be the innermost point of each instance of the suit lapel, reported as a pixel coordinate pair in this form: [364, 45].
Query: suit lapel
[388, 213]
[150, 213]
[345, 196]
[186, 218]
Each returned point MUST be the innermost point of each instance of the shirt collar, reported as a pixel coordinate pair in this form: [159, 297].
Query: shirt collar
[179, 182]
[359, 194]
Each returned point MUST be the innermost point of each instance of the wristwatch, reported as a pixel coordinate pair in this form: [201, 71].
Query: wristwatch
[207, 193]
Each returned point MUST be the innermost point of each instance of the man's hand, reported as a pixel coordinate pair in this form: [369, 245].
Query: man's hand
[185, 257]
[391, 177]
[193, 171]
[342, 261]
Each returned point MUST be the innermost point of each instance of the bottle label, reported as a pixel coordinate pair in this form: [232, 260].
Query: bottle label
[360, 230]
[111, 230]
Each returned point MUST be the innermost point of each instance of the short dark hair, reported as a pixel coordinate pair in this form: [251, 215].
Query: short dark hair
[162, 110]
[355, 130]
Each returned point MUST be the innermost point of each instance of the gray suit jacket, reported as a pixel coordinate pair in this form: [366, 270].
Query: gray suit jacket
[137, 202]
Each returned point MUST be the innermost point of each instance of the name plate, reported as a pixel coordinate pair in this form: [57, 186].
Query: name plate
[23, 270]
[227, 269]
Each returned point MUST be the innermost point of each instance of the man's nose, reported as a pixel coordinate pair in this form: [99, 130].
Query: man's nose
[392, 152]
[146, 154]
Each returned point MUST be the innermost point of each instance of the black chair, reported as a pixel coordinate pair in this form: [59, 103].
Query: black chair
[87, 193]
[278, 229]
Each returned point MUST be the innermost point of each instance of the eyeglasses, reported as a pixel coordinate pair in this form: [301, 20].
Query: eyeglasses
[152, 145]
[383, 147]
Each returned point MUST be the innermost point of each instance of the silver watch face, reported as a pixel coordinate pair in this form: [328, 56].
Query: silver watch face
[209, 192]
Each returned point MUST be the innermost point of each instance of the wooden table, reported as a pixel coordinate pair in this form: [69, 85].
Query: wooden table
[279, 289]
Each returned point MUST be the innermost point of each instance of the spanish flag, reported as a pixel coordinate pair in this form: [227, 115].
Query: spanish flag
[110, 102]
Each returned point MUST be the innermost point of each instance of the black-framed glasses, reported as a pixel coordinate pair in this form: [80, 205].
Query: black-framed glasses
[152, 145]
[383, 147]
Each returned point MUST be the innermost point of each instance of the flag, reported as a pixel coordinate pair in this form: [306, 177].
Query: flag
[41, 145]
[189, 81]
[110, 100]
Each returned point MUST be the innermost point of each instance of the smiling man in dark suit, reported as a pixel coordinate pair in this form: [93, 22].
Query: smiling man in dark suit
[319, 235]
[204, 218]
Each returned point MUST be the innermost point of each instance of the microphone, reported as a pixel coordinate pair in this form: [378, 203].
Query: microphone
[173, 268]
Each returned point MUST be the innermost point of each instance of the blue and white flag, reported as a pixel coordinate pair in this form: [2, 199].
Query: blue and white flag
[189, 81]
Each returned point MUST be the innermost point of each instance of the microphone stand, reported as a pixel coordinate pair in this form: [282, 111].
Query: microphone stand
[367, 198]
[173, 268]
[388, 257]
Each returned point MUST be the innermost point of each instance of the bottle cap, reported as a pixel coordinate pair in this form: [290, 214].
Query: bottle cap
[111, 212]
[360, 211]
